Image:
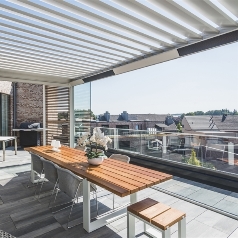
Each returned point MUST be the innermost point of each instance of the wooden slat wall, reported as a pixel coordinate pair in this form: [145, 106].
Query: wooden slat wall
[57, 114]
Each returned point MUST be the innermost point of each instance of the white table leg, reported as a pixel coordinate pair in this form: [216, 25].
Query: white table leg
[86, 205]
[102, 220]
[3, 150]
[131, 219]
[32, 173]
[15, 146]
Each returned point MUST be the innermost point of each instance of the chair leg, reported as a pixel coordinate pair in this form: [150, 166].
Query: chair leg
[75, 197]
[30, 186]
[96, 201]
[40, 189]
[53, 192]
[70, 214]
[39, 181]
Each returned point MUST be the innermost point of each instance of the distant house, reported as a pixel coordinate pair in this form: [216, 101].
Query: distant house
[156, 122]
[206, 123]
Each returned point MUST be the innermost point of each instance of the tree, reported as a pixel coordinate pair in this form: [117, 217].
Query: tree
[193, 159]
[63, 116]
[199, 113]
[235, 112]
[179, 127]
[190, 114]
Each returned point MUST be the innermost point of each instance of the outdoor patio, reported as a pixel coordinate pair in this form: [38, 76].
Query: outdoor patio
[24, 216]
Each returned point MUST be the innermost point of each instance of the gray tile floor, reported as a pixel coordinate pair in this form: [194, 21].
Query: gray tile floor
[24, 216]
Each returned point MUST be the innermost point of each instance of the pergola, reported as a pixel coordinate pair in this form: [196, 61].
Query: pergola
[67, 43]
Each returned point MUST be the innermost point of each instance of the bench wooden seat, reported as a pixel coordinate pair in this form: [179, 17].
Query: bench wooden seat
[157, 215]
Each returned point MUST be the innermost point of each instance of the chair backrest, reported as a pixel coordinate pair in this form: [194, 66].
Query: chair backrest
[37, 164]
[82, 148]
[123, 158]
[50, 171]
[68, 182]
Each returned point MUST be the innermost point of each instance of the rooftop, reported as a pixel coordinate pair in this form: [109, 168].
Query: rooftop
[206, 122]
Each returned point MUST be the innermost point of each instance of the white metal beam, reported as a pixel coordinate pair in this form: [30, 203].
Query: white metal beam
[18, 76]
[39, 70]
[76, 26]
[70, 49]
[195, 14]
[223, 11]
[5, 47]
[41, 61]
[35, 48]
[8, 22]
[70, 34]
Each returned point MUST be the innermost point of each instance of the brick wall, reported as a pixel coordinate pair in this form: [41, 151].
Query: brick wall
[29, 103]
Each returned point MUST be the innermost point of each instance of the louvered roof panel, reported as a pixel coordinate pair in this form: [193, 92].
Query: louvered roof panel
[66, 42]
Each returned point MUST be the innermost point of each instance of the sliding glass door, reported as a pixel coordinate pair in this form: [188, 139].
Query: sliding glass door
[4, 115]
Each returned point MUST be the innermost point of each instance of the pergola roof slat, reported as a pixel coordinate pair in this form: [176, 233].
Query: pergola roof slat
[71, 42]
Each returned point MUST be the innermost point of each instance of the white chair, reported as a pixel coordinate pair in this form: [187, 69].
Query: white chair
[82, 148]
[72, 185]
[123, 158]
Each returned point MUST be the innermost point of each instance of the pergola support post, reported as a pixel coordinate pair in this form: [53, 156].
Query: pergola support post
[44, 116]
[71, 110]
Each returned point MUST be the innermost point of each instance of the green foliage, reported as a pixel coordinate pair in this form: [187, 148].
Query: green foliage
[93, 154]
[63, 116]
[190, 114]
[235, 112]
[212, 112]
[193, 159]
[84, 114]
[199, 113]
[182, 116]
[179, 127]
[208, 165]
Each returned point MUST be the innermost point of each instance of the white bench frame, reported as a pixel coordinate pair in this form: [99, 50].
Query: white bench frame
[165, 233]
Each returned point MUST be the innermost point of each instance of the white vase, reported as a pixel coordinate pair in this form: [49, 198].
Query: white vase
[96, 161]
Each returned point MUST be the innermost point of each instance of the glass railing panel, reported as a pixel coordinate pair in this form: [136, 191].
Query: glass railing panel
[205, 151]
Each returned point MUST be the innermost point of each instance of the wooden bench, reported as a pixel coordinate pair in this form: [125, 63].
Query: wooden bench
[158, 216]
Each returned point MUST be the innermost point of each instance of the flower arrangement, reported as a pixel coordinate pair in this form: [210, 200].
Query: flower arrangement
[94, 140]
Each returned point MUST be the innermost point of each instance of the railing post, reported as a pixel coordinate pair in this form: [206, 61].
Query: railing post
[164, 145]
[116, 146]
[141, 151]
[230, 153]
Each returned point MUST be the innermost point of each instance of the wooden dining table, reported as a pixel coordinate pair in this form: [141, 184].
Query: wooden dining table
[120, 178]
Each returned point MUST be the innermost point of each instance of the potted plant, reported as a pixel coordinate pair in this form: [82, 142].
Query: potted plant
[96, 145]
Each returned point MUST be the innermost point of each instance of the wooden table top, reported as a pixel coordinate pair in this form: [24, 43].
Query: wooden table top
[117, 177]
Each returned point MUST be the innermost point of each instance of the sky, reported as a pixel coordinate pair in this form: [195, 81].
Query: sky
[200, 82]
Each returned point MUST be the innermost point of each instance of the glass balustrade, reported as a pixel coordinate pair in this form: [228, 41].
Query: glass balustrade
[205, 151]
